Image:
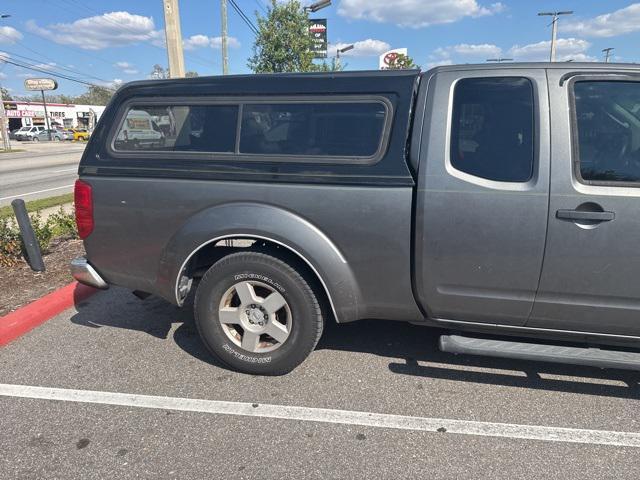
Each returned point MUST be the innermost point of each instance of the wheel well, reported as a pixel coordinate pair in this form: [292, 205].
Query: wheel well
[213, 252]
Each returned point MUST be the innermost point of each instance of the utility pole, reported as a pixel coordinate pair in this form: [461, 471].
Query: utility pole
[554, 30]
[3, 125]
[607, 53]
[3, 116]
[174, 38]
[225, 51]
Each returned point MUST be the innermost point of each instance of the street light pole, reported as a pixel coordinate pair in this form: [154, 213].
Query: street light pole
[554, 30]
[607, 53]
[314, 7]
[342, 50]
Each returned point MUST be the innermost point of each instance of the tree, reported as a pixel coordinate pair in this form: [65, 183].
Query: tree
[283, 43]
[5, 94]
[159, 72]
[401, 62]
[95, 95]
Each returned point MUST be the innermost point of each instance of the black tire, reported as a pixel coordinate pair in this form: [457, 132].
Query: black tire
[307, 323]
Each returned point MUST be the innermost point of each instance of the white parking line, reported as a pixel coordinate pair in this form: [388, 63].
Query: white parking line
[323, 415]
[66, 170]
[36, 192]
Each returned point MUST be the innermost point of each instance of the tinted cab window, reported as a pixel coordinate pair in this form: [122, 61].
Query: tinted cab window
[607, 117]
[493, 128]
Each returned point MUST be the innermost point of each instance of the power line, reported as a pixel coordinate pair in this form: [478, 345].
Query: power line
[244, 17]
[56, 66]
[35, 68]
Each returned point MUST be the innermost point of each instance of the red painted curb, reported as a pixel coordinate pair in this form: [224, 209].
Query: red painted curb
[27, 318]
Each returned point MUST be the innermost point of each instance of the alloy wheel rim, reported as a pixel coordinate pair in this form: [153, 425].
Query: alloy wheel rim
[255, 316]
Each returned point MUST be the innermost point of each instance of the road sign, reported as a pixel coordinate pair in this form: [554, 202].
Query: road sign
[318, 32]
[40, 84]
[388, 57]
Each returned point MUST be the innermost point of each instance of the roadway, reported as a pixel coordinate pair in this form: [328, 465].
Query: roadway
[42, 170]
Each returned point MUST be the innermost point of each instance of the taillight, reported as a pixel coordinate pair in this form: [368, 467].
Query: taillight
[84, 208]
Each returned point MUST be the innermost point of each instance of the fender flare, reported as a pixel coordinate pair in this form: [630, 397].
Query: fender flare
[266, 222]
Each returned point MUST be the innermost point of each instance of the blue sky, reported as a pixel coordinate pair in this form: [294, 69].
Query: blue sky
[109, 41]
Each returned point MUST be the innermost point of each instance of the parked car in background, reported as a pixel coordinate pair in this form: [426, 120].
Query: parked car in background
[27, 133]
[67, 134]
[56, 136]
[81, 134]
[12, 133]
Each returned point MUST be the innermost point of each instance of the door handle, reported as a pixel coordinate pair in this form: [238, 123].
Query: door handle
[585, 215]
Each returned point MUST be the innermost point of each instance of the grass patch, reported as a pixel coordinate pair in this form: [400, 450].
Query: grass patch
[37, 205]
[13, 150]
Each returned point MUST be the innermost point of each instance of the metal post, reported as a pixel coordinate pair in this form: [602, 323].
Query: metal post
[338, 59]
[31, 245]
[554, 34]
[225, 52]
[46, 115]
[174, 38]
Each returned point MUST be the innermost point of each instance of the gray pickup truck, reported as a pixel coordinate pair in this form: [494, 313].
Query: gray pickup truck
[483, 199]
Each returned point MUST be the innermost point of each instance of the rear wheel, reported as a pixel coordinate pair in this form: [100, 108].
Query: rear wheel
[256, 314]
[35, 139]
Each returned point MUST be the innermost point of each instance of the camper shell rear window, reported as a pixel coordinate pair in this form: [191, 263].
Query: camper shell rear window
[320, 128]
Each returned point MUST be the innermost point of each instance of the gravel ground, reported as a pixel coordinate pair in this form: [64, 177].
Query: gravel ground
[20, 285]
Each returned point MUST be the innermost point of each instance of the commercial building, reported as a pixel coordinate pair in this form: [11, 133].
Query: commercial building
[23, 114]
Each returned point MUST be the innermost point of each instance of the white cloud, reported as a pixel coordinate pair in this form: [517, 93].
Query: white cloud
[113, 29]
[470, 50]
[45, 66]
[438, 63]
[566, 49]
[363, 48]
[9, 35]
[123, 65]
[415, 13]
[26, 75]
[113, 84]
[625, 20]
[202, 41]
[3, 75]
[126, 67]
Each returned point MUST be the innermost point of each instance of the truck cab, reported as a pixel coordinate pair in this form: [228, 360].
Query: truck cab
[494, 199]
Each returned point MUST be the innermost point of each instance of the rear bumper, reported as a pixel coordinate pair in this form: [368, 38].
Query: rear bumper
[84, 273]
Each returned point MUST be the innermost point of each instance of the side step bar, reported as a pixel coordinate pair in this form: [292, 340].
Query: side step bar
[593, 357]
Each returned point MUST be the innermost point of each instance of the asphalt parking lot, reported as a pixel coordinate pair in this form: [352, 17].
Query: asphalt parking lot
[175, 420]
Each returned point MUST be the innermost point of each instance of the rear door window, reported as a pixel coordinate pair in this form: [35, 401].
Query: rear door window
[492, 131]
[178, 128]
[316, 129]
[607, 121]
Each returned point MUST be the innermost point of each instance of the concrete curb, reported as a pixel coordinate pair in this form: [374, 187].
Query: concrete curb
[25, 319]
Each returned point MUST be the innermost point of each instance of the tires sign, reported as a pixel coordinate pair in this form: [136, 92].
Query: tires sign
[318, 33]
